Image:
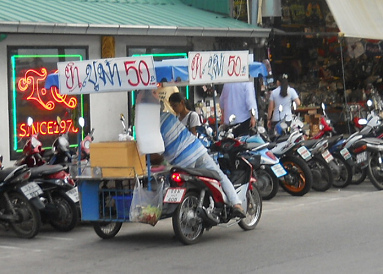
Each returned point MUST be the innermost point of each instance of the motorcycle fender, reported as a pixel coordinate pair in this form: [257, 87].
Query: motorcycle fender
[37, 203]
[241, 192]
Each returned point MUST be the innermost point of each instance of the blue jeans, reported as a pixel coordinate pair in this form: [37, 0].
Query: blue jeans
[207, 162]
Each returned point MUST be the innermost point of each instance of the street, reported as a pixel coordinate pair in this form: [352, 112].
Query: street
[337, 231]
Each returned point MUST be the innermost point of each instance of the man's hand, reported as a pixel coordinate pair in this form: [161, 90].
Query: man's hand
[253, 121]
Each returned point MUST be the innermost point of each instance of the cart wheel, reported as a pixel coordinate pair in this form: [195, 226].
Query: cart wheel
[107, 230]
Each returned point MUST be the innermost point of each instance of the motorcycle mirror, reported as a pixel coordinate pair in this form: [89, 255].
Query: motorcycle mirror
[369, 103]
[261, 130]
[58, 119]
[362, 121]
[122, 117]
[294, 105]
[30, 121]
[81, 121]
[232, 118]
[280, 108]
[252, 111]
[323, 106]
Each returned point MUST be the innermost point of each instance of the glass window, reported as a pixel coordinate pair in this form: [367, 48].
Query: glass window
[28, 69]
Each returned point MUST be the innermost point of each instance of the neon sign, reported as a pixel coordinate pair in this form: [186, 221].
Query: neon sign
[47, 127]
[32, 81]
[31, 98]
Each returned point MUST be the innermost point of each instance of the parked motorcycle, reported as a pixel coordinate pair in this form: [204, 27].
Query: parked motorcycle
[340, 168]
[270, 169]
[19, 201]
[60, 195]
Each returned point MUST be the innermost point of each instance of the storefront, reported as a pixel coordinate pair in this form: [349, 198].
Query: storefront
[30, 51]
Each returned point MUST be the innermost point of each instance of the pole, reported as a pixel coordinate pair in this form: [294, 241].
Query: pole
[340, 40]
[215, 112]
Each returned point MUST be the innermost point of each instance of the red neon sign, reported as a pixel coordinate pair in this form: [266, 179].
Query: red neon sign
[47, 128]
[32, 82]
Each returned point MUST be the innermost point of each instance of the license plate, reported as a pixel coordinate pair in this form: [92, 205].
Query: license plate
[73, 194]
[278, 170]
[304, 152]
[327, 156]
[174, 195]
[31, 190]
[345, 153]
[361, 157]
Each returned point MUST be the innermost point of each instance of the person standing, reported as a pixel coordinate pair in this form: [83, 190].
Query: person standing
[283, 96]
[190, 119]
[239, 99]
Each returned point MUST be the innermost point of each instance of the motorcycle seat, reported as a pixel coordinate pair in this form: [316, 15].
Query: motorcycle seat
[43, 170]
[333, 140]
[310, 143]
[198, 172]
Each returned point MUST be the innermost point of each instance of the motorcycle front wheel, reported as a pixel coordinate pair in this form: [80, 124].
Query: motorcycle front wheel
[299, 179]
[375, 171]
[67, 216]
[267, 183]
[187, 226]
[254, 209]
[29, 221]
[107, 230]
[322, 174]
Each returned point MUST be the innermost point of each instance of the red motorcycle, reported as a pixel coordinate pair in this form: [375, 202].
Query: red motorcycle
[201, 200]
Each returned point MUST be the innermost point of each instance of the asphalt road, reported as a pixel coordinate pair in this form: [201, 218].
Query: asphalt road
[337, 231]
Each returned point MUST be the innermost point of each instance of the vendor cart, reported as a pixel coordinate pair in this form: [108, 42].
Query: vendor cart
[106, 201]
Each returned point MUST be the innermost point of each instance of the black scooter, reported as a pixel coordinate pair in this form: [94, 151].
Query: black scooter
[19, 201]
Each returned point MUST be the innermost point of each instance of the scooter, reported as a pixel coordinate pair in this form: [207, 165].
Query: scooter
[19, 201]
[270, 170]
[201, 200]
[60, 195]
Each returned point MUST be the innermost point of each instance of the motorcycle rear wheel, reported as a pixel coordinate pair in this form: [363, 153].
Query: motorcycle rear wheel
[358, 175]
[30, 217]
[344, 176]
[267, 183]
[322, 174]
[299, 172]
[107, 230]
[254, 209]
[375, 171]
[67, 213]
[187, 226]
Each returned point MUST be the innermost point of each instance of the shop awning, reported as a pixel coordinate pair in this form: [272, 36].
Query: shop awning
[112, 17]
[358, 18]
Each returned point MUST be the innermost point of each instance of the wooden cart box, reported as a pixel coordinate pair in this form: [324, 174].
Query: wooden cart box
[117, 159]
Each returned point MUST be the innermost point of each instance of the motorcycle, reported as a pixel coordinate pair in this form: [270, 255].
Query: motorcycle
[329, 146]
[270, 169]
[60, 195]
[19, 201]
[202, 201]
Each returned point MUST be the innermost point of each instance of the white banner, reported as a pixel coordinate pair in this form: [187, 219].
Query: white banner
[218, 67]
[107, 75]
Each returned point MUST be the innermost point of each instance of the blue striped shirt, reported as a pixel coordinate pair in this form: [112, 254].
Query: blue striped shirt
[181, 147]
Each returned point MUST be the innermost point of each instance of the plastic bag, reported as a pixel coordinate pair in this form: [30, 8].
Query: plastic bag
[146, 204]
